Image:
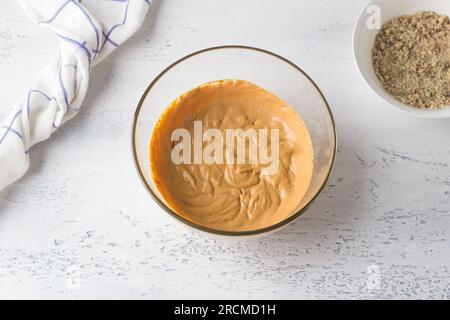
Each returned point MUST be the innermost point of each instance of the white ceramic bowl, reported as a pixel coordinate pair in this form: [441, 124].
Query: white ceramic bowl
[364, 37]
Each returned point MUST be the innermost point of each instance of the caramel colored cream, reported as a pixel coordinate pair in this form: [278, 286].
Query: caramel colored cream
[231, 196]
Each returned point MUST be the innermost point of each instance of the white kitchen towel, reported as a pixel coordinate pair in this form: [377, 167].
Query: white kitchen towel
[88, 30]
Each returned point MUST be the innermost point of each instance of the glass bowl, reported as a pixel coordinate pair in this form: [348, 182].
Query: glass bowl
[263, 68]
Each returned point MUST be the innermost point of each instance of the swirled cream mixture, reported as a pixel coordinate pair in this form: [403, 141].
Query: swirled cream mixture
[232, 197]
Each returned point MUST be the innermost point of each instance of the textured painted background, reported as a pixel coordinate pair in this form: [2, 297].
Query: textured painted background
[80, 225]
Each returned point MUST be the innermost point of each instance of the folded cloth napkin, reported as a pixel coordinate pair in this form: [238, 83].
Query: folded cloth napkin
[88, 30]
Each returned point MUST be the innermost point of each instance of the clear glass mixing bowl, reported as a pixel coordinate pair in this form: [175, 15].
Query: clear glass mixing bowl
[263, 68]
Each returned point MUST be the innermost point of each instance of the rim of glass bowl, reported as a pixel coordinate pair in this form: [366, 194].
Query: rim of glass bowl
[198, 226]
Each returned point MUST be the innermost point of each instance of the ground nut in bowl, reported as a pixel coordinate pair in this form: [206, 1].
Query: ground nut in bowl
[402, 51]
[229, 88]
